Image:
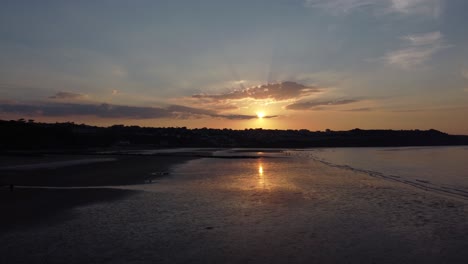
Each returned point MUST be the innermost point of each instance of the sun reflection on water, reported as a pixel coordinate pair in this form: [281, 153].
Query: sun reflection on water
[262, 179]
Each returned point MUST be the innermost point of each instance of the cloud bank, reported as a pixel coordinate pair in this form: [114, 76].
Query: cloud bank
[275, 91]
[116, 111]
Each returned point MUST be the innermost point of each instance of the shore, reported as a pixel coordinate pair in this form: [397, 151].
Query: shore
[27, 206]
[240, 211]
[94, 170]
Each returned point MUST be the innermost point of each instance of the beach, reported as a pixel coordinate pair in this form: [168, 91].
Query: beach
[268, 209]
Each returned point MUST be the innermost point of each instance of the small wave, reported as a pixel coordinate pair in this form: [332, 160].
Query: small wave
[418, 183]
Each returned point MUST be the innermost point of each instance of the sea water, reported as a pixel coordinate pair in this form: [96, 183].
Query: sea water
[442, 169]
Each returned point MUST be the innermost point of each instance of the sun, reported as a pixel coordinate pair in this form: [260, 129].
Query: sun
[260, 115]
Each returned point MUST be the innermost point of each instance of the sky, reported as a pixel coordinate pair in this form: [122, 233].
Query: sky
[299, 64]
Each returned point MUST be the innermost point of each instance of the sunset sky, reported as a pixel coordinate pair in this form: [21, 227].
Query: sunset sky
[313, 64]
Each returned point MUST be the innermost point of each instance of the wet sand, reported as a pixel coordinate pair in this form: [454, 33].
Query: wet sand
[106, 170]
[318, 214]
[32, 208]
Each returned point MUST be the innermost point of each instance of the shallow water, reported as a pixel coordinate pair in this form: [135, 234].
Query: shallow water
[440, 168]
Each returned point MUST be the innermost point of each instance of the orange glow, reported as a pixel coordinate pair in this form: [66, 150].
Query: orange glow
[262, 179]
[260, 115]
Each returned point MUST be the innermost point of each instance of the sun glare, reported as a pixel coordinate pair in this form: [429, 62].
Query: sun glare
[260, 115]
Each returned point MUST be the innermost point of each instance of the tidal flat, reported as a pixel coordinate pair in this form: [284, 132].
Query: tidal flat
[273, 208]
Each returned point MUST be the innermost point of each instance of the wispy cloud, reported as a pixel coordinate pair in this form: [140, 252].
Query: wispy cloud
[318, 105]
[411, 57]
[274, 91]
[419, 50]
[364, 109]
[340, 6]
[424, 39]
[68, 96]
[427, 109]
[431, 8]
[115, 111]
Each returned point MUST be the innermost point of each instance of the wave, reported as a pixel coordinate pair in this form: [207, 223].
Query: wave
[422, 184]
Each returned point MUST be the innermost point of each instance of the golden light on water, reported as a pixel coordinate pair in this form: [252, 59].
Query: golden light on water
[262, 179]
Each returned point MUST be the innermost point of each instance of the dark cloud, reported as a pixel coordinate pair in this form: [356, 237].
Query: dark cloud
[67, 95]
[116, 111]
[276, 91]
[317, 104]
[100, 110]
[190, 110]
[365, 109]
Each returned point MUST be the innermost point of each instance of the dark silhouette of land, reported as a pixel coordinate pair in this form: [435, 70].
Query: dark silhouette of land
[30, 135]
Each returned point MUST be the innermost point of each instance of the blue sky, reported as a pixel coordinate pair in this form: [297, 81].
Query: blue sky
[339, 64]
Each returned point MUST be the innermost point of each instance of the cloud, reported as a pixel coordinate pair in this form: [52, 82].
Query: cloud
[99, 110]
[430, 8]
[68, 96]
[317, 105]
[276, 91]
[185, 112]
[189, 110]
[421, 48]
[340, 6]
[424, 39]
[411, 57]
[365, 109]
[115, 111]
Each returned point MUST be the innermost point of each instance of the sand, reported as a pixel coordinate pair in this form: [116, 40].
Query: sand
[330, 216]
[85, 170]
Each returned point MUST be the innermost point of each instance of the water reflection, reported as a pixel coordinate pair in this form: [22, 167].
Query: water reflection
[262, 179]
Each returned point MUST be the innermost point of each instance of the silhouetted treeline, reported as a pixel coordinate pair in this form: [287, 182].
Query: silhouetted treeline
[22, 134]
